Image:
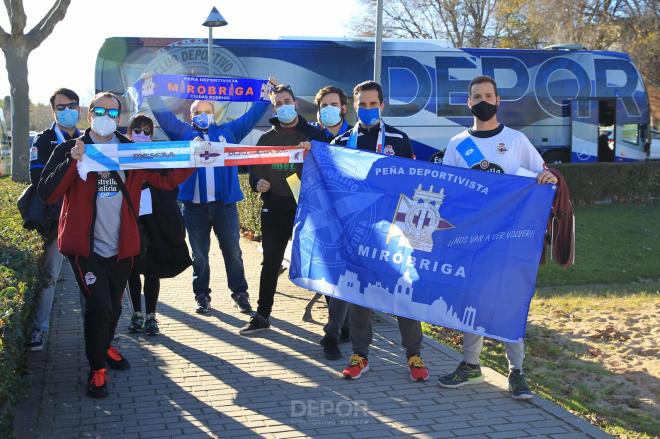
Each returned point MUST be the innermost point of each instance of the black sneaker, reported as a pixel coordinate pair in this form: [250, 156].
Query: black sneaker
[151, 325]
[257, 324]
[36, 342]
[464, 374]
[518, 387]
[331, 349]
[345, 335]
[242, 301]
[203, 304]
[116, 360]
[96, 384]
[137, 323]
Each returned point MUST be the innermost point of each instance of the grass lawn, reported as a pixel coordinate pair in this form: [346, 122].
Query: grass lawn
[593, 333]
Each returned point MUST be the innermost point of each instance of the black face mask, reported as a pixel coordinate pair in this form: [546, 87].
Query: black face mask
[484, 111]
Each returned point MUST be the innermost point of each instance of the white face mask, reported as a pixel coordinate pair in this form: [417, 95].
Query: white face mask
[103, 125]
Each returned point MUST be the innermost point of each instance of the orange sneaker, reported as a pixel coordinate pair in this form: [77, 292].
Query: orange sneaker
[357, 365]
[418, 372]
[116, 360]
[96, 384]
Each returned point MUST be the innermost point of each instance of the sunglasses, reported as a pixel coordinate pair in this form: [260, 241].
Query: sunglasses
[146, 131]
[113, 113]
[198, 112]
[70, 105]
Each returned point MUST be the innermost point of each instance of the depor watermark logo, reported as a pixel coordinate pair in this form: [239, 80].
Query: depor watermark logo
[329, 412]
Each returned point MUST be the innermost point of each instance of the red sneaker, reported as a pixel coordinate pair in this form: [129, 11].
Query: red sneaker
[356, 367]
[418, 372]
[96, 384]
[116, 360]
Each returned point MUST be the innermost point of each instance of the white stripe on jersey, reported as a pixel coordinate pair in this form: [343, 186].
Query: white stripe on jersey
[195, 198]
[210, 184]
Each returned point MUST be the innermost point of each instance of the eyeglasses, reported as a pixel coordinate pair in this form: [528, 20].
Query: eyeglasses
[70, 105]
[113, 113]
[146, 131]
[198, 112]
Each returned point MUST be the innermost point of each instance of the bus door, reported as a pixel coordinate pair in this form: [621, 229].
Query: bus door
[606, 130]
[584, 131]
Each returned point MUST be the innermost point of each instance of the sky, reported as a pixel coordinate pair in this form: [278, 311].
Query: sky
[67, 57]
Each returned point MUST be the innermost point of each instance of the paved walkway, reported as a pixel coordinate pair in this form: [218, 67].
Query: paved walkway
[200, 379]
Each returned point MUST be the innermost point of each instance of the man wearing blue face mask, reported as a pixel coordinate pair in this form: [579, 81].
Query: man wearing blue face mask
[65, 109]
[372, 134]
[279, 205]
[331, 102]
[210, 195]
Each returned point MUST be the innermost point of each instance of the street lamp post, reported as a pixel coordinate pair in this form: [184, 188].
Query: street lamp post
[214, 19]
[378, 42]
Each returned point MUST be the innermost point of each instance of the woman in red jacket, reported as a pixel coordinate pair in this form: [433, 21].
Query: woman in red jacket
[98, 230]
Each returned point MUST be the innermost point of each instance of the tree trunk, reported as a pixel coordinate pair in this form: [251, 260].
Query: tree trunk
[16, 56]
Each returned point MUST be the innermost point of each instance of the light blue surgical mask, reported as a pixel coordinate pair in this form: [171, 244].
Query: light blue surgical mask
[330, 116]
[369, 116]
[202, 120]
[68, 118]
[286, 113]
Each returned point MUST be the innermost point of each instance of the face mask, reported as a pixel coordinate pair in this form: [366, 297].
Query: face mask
[330, 116]
[202, 120]
[141, 137]
[103, 125]
[68, 118]
[484, 111]
[286, 113]
[369, 116]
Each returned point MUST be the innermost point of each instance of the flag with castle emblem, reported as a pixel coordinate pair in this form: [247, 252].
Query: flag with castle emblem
[454, 247]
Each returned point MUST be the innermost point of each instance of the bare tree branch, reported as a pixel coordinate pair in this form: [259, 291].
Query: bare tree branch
[46, 25]
[17, 17]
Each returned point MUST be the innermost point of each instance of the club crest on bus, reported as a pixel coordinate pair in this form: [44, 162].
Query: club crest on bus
[417, 218]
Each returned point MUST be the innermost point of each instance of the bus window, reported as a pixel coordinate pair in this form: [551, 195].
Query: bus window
[630, 133]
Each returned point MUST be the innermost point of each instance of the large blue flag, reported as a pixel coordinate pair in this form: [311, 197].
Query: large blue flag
[450, 246]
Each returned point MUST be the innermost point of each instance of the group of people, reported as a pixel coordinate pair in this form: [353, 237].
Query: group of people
[110, 245]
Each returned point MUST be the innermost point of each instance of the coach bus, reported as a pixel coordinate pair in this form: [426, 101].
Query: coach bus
[574, 104]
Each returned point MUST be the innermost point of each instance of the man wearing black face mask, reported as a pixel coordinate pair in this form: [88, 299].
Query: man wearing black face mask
[490, 146]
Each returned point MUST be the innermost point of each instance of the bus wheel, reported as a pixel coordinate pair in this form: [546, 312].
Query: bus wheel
[557, 156]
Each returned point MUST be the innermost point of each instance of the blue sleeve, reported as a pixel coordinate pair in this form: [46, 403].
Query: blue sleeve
[173, 127]
[241, 127]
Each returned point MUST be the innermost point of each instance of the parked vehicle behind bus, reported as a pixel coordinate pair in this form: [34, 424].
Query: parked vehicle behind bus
[574, 105]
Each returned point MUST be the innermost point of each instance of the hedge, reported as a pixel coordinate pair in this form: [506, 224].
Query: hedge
[20, 254]
[612, 182]
[588, 183]
[249, 210]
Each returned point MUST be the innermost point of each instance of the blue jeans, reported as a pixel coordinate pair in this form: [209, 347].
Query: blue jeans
[52, 267]
[223, 218]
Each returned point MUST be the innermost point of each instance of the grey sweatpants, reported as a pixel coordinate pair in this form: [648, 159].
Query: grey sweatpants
[472, 344]
[362, 331]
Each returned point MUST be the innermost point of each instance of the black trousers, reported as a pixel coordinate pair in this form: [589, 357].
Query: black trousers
[151, 291]
[102, 281]
[276, 229]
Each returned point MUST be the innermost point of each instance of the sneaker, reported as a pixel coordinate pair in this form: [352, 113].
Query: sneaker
[357, 365]
[116, 360]
[36, 342]
[257, 324]
[345, 335]
[96, 385]
[203, 304]
[331, 349]
[464, 374]
[151, 325]
[518, 387]
[137, 323]
[242, 301]
[418, 371]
